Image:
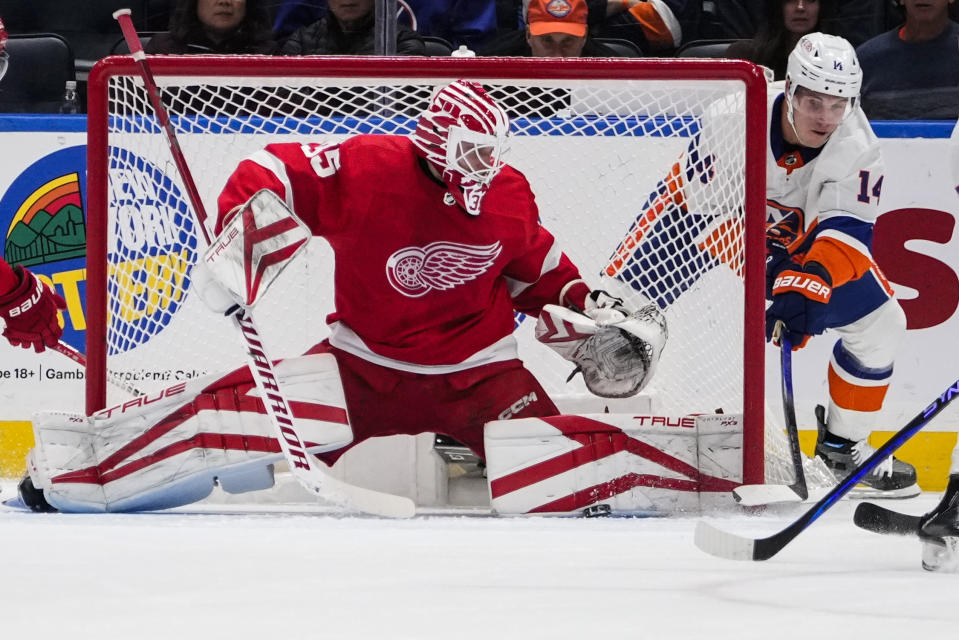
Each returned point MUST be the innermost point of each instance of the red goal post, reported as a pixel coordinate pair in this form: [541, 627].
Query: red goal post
[605, 143]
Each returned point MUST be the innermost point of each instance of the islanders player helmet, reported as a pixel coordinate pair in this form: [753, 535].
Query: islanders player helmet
[826, 64]
[823, 64]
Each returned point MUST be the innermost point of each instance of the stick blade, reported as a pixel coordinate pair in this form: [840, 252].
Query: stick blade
[320, 480]
[872, 517]
[376, 503]
[755, 495]
[723, 544]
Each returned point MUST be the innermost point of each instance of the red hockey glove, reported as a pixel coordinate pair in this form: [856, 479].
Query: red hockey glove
[30, 313]
[800, 301]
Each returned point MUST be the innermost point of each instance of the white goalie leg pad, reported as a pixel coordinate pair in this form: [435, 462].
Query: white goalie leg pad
[168, 449]
[631, 464]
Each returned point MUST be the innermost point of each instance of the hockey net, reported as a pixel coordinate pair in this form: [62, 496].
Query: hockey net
[604, 145]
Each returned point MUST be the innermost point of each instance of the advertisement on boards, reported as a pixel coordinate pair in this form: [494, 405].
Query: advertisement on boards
[42, 215]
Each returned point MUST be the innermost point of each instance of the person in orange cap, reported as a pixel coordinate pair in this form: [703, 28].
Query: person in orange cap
[554, 29]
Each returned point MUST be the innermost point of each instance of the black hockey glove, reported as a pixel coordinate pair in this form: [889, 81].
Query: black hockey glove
[800, 300]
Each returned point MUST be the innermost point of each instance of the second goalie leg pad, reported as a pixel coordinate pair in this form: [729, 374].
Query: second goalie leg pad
[169, 449]
[626, 463]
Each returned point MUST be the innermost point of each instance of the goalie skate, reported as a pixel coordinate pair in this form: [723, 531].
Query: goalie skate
[32, 497]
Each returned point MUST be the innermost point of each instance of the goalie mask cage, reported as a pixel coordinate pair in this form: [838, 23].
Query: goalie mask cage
[650, 173]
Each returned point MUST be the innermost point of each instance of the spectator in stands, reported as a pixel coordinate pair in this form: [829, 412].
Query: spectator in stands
[461, 22]
[290, 15]
[730, 19]
[657, 28]
[4, 57]
[216, 26]
[860, 20]
[854, 20]
[554, 29]
[347, 29]
[913, 72]
[786, 21]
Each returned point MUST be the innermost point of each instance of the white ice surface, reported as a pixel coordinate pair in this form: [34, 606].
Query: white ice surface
[308, 574]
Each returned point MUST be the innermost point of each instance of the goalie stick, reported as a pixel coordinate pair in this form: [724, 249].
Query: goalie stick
[64, 349]
[750, 495]
[732, 546]
[872, 517]
[307, 469]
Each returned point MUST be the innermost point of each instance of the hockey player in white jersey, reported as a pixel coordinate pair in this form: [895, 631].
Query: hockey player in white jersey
[824, 183]
[824, 178]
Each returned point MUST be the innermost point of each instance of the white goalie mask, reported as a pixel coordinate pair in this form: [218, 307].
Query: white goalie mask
[464, 135]
[824, 64]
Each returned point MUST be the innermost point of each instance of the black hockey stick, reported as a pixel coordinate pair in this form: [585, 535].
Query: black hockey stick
[756, 494]
[872, 517]
[789, 410]
[735, 547]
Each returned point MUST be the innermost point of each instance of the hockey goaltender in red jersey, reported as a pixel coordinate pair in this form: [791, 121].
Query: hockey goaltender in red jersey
[436, 243]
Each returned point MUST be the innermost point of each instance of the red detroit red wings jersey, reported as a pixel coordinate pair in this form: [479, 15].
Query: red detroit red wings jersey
[417, 280]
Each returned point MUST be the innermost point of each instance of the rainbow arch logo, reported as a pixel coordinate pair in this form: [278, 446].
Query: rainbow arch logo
[48, 226]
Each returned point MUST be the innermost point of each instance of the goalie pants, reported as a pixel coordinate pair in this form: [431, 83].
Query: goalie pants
[382, 401]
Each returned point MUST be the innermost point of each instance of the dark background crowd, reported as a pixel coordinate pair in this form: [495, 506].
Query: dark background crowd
[909, 49]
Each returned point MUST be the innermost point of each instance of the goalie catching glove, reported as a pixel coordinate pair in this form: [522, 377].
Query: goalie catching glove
[616, 350]
[257, 243]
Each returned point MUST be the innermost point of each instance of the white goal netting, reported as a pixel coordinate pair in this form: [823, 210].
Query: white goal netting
[639, 169]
